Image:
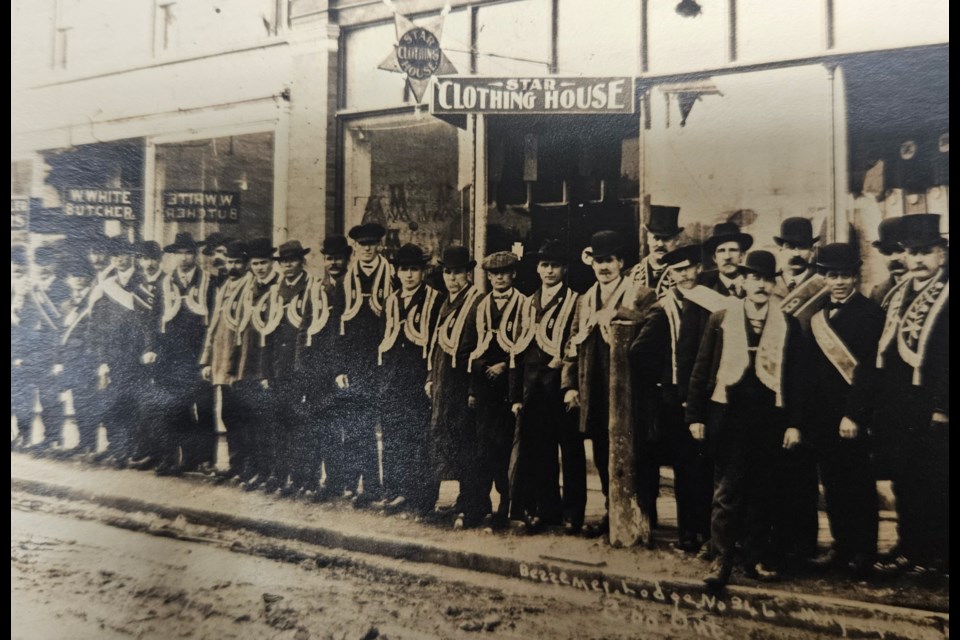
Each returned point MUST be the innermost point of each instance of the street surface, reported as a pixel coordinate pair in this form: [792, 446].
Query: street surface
[75, 576]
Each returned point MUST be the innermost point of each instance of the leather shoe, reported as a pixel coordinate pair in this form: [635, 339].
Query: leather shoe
[571, 528]
[860, 566]
[719, 575]
[761, 572]
[828, 560]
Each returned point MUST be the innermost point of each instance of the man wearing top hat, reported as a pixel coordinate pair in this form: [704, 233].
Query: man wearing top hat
[499, 327]
[585, 378]
[453, 434]
[888, 244]
[746, 392]
[408, 320]
[663, 235]
[251, 390]
[292, 315]
[77, 356]
[219, 361]
[119, 338]
[175, 351]
[686, 308]
[912, 406]
[842, 347]
[365, 287]
[41, 322]
[538, 402]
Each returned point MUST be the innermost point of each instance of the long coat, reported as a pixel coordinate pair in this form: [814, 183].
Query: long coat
[223, 341]
[693, 322]
[452, 426]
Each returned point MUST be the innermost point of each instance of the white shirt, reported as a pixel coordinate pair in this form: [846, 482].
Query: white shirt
[123, 277]
[185, 278]
[606, 290]
[368, 267]
[730, 282]
[295, 280]
[500, 297]
[549, 293]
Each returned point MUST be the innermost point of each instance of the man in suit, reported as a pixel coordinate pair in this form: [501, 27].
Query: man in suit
[842, 347]
[912, 410]
[586, 367]
[175, 351]
[408, 320]
[499, 326]
[796, 242]
[746, 390]
[453, 432]
[888, 244]
[537, 401]
[663, 236]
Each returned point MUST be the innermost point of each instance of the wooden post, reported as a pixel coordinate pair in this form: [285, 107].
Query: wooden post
[629, 525]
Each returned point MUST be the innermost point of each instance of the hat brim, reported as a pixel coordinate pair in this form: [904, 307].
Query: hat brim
[797, 241]
[744, 240]
[469, 265]
[411, 263]
[176, 248]
[744, 269]
[346, 251]
[296, 255]
[549, 257]
[929, 242]
[852, 266]
[667, 233]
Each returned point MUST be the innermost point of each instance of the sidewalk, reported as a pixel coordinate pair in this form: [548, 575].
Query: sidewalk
[832, 605]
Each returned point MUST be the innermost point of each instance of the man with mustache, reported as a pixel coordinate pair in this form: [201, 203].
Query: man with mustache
[221, 354]
[663, 236]
[842, 346]
[888, 244]
[746, 391]
[585, 379]
[796, 251]
[912, 410]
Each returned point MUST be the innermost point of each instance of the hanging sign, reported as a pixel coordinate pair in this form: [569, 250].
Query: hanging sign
[417, 53]
[100, 204]
[573, 95]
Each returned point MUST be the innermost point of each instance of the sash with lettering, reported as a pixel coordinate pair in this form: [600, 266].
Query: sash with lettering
[912, 332]
[415, 324]
[592, 315]
[735, 358]
[508, 332]
[450, 327]
[548, 329]
[194, 297]
[833, 346]
[808, 298]
[353, 290]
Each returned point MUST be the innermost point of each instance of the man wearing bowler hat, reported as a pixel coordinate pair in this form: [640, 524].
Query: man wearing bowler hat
[369, 281]
[409, 317]
[453, 433]
[175, 351]
[912, 411]
[746, 391]
[585, 378]
[499, 327]
[219, 361]
[796, 242]
[538, 403]
[888, 244]
[726, 246]
[663, 236]
[252, 388]
[842, 346]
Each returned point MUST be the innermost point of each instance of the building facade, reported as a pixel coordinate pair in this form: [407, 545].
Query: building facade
[298, 118]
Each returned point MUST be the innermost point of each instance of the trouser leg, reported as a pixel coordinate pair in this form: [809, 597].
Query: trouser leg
[728, 499]
[574, 466]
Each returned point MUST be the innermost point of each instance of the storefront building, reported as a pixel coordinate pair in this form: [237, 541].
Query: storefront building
[493, 124]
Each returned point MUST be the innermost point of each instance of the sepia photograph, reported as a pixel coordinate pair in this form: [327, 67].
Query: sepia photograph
[452, 319]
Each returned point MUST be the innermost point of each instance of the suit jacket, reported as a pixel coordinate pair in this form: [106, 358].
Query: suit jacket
[650, 362]
[534, 367]
[879, 293]
[828, 395]
[703, 380]
[781, 289]
[580, 360]
[221, 349]
[117, 332]
[693, 322]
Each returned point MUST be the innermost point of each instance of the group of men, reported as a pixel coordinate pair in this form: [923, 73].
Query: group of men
[752, 381]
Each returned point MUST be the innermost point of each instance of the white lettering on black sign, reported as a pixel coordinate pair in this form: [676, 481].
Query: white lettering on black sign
[469, 94]
[113, 204]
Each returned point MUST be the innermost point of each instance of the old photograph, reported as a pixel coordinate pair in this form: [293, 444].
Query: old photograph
[387, 319]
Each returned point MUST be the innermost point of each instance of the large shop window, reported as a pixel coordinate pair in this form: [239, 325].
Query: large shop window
[91, 189]
[218, 184]
[402, 172]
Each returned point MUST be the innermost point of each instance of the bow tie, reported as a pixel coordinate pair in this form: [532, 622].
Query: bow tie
[502, 296]
[833, 306]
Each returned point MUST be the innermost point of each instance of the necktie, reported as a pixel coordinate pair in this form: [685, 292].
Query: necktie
[733, 290]
[791, 285]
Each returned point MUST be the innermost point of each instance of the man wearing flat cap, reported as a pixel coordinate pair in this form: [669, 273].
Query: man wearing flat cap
[119, 338]
[888, 244]
[453, 433]
[175, 351]
[219, 361]
[538, 402]
[663, 236]
[499, 327]
[409, 318]
[585, 378]
[912, 410]
[746, 391]
[841, 343]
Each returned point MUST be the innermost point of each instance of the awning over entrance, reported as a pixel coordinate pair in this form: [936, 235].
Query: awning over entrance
[898, 114]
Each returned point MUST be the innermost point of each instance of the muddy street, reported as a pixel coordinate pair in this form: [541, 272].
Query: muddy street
[73, 576]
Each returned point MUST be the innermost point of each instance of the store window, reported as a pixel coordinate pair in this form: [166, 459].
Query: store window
[215, 184]
[402, 172]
